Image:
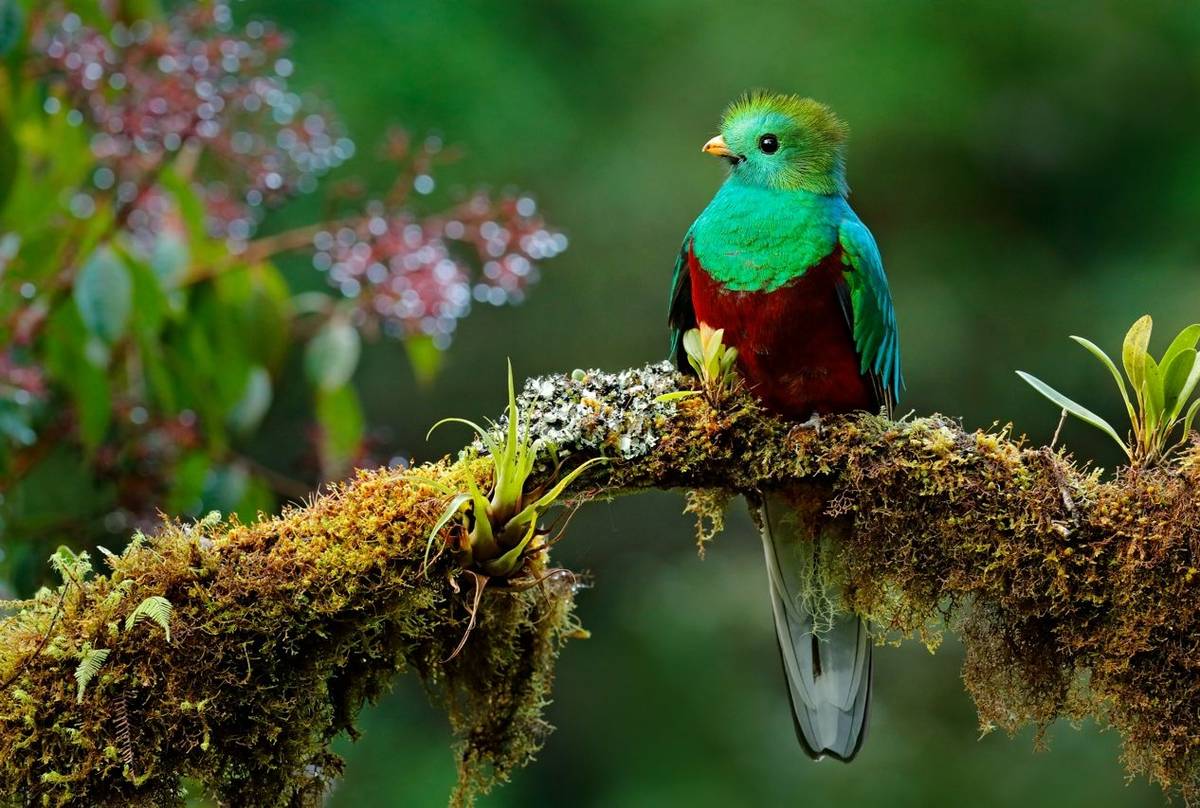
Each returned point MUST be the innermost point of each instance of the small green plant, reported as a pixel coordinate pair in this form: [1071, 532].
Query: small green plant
[712, 360]
[1161, 391]
[714, 363]
[90, 662]
[74, 569]
[501, 528]
[156, 609]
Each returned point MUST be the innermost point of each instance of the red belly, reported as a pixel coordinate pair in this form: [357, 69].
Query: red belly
[795, 348]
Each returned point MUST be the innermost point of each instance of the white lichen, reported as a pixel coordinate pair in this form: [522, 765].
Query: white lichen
[617, 414]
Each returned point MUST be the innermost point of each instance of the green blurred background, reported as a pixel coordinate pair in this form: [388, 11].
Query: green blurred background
[1030, 170]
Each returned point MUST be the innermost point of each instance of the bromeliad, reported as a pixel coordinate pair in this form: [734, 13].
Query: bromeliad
[784, 266]
[501, 528]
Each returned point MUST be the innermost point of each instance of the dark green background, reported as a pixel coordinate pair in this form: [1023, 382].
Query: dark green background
[1030, 170]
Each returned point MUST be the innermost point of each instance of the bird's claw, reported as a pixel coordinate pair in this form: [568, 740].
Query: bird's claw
[813, 423]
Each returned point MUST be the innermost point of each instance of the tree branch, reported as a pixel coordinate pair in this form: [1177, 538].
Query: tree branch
[1075, 596]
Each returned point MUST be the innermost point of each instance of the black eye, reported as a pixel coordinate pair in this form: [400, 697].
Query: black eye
[768, 144]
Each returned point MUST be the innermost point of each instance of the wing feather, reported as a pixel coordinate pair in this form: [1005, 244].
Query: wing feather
[681, 316]
[867, 301]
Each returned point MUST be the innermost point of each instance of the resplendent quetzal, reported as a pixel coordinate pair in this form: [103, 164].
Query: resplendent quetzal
[780, 261]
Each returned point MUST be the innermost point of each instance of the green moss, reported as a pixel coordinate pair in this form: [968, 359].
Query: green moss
[707, 505]
[1075, 596]
[281, 631]
[1072, 592]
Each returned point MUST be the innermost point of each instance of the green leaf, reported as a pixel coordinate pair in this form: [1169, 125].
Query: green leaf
[208, 362]
[1189, 418]
[332, 355]
[232, 318]
[248, 413]
[149, 299]
[90, 662]
[104, 295]
[484, 434]
[341, 420]
[1153, 392]
[195, 370]
[1175, 379]
[191, 209]
[1189, 387]
[511, 468]
[1099, 353]
[268, 317]
[727, 361]
[551, 496]
[156, 609]
[1078, 410]
[712, 348]
[1134, 353]
[1187, 338]
[483, 538]
[506, 563]
[169, 259]
[677, 395]
[693, 347]
[425, 358]
[449, 513]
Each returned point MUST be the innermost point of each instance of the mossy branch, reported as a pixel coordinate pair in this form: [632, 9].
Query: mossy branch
[1075, 595]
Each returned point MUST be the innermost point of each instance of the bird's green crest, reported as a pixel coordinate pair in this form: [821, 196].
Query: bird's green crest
[786, 142]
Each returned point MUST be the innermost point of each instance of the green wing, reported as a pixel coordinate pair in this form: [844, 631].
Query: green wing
[868, 301]
[681, 315]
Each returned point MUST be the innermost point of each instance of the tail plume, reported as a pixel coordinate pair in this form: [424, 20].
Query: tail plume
[826, 651]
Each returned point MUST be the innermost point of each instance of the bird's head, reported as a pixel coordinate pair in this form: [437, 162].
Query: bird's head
[783, 142]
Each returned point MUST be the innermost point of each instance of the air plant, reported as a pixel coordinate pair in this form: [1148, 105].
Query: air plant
[1161, 391]
[502, 527]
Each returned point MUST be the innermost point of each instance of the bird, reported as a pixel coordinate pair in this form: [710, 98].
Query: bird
[781, 262]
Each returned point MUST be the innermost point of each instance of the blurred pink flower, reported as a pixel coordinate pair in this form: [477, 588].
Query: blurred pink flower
[420, 276]
[151, 91]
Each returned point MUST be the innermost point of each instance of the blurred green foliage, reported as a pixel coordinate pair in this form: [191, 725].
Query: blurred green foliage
[1030, 170]
[130, 359]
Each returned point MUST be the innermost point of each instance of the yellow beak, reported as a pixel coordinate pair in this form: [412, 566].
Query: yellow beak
[717, 147]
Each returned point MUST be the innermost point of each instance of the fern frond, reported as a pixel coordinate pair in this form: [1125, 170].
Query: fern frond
[155, 608]
[70, 567]
[124, 730]
[90, 662]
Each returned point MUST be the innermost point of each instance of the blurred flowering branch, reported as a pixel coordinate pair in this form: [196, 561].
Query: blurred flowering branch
[143, 325]
[189, 85]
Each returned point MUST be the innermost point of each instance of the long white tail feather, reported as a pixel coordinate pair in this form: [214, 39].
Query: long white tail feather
[826, 651]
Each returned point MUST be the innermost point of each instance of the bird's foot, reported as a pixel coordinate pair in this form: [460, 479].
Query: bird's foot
[813, 423]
